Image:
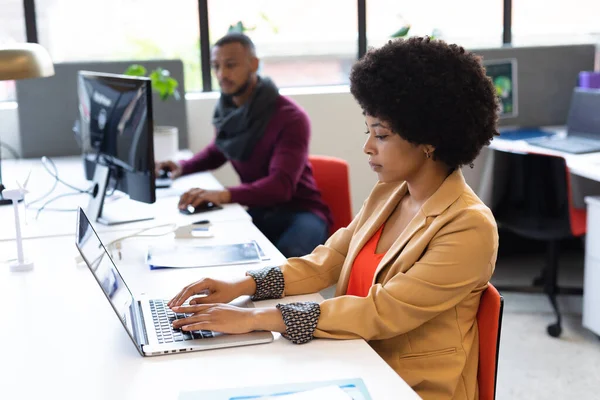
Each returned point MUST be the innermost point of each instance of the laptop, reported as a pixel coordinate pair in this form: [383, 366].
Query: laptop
[583, 125]
[148, 322]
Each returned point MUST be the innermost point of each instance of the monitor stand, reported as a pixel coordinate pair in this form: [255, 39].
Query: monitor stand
[118, 213]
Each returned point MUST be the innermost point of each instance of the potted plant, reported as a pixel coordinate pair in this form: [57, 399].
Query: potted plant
[405, 28]
[166, 138]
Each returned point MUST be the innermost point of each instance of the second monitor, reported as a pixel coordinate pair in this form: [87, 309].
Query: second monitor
[116, 128]
[503, 74]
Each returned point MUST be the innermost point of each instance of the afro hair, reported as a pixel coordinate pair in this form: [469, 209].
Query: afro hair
[429, 92]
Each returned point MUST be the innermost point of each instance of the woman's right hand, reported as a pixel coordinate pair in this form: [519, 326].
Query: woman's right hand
[215, 291]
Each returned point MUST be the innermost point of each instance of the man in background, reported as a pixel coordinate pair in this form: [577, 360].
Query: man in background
[266, 138]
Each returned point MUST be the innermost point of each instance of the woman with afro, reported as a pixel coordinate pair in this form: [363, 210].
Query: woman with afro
[410, 268]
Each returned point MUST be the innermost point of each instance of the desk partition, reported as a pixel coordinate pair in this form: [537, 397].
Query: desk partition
[546, 76]
[48, 107]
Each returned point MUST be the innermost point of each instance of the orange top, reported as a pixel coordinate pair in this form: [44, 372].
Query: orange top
[364, 266]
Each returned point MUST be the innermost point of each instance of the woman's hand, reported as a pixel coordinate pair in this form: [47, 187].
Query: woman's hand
[216, 291]
[215, 317]
[230, 319]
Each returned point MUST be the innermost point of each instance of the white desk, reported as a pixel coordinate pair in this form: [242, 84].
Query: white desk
[62, 339]
[54, 223]
[580, 165]
[585, 165]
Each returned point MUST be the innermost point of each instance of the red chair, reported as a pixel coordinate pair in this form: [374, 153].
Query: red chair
[489, 321]
[333, 180]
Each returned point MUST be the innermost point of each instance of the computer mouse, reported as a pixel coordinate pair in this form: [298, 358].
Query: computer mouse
[202, 207]
[163, 174]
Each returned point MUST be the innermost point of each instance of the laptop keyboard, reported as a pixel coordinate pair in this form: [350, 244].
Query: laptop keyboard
[574, 145]
[163, 318]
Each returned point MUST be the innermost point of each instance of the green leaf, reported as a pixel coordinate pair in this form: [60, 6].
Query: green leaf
[265, 18]
[401, 32]
[239, 27]
[164, 84]
[136, 70]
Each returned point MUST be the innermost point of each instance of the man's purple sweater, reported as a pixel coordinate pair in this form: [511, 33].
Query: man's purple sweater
[277, 174]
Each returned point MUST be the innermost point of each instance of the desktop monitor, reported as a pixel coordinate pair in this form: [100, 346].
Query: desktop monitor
[116, 128]
[503, 74]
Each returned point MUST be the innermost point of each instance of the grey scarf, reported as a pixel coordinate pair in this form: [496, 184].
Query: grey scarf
[240, 128]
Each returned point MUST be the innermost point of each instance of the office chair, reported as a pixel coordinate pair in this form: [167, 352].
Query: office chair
[489, 322]
[333, 180]
[531, 197]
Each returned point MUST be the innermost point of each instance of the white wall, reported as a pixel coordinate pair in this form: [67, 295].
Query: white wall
[337, 130]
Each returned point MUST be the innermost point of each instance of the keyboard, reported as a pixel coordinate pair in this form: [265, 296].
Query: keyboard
[163, 318]
[570, 144]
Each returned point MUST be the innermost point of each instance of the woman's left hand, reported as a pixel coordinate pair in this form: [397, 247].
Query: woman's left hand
[223, 318]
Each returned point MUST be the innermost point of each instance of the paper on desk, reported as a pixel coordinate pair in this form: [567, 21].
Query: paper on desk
[324, 393]
[180, 256]
[353, 389]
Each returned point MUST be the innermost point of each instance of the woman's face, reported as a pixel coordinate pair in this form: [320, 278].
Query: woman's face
[393, 158]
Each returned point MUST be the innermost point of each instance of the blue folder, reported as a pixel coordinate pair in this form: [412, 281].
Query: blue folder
[523, 134]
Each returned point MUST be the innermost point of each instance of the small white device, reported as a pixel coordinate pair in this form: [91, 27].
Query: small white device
[21, 264]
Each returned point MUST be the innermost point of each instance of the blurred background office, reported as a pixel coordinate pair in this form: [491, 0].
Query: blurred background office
[308, 47]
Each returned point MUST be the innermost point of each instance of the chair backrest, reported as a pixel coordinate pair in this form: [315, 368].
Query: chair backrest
[333, 180]
[489, 322]
[532, 196]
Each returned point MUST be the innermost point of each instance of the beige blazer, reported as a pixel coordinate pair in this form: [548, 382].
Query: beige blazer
[419, 315]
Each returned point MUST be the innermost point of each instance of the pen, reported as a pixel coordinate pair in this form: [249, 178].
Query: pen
[201, 222]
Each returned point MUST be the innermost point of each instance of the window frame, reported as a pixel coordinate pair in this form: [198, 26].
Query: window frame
[32, 32]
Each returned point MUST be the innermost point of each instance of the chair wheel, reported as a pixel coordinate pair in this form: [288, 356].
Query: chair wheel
[554, 330]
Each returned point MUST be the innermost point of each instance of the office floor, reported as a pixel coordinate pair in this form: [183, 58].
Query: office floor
[532, 364]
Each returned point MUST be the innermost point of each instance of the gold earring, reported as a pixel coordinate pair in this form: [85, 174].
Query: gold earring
[427, 154]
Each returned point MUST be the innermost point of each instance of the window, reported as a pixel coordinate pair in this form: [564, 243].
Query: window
[12, 30]
[469, 23]
[113, 30]
[555, 21]
[300, 43]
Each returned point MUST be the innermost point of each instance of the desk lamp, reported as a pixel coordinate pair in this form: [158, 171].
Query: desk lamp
[22, 61]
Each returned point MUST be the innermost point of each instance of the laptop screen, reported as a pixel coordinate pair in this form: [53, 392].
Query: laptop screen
[584, 115]
[106, 273]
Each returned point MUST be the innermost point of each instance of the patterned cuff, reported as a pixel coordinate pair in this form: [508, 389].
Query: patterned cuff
[269, 283]
[300, 320]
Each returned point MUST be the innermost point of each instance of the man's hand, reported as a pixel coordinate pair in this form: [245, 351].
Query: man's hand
[216, 291]
[169, 166]
[195, 197]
